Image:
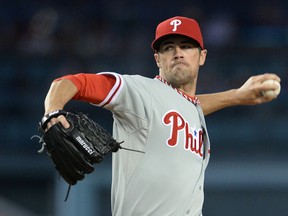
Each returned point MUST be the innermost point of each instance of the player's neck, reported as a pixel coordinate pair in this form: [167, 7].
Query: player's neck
[192, 98]
[188, 88]
[186, 84]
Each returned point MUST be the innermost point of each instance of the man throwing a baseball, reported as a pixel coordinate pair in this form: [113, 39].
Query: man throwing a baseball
[161, 119]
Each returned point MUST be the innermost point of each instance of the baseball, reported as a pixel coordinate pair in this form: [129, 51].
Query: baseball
[272, 93]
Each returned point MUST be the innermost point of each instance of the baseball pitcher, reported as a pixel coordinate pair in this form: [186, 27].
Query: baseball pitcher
[160, 139]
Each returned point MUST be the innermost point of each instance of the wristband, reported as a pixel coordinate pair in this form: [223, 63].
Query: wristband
[49, 116]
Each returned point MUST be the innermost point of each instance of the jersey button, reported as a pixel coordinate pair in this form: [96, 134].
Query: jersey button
[188, 212]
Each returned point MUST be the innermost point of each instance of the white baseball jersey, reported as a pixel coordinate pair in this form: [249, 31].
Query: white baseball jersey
[167, 177]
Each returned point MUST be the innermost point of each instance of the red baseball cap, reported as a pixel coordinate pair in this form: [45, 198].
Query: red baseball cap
[180, 26]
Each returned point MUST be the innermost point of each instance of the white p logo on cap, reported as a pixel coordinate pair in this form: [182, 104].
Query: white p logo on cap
[175, 23]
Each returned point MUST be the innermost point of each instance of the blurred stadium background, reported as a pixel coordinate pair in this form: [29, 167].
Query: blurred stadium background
[42, 40]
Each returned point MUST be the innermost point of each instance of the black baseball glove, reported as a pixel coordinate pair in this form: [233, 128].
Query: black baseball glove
[76, 149]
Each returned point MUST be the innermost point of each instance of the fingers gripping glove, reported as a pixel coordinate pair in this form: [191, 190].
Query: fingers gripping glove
[76, 149]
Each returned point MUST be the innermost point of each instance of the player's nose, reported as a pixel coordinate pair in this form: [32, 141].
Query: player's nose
[178, 52]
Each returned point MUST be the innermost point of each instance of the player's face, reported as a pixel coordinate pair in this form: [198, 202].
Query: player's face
[179, 59]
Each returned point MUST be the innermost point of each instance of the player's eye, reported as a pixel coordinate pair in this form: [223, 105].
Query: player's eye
[167, 47]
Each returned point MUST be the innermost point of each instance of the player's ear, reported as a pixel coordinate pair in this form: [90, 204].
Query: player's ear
[203, 54]
[156, 56]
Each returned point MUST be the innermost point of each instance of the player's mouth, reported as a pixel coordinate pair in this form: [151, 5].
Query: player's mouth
[179, 63]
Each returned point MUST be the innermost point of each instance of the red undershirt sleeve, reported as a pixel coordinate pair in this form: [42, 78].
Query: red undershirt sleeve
[92, 88]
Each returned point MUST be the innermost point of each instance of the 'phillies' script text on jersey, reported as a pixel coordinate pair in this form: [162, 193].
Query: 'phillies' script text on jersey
[193, 137]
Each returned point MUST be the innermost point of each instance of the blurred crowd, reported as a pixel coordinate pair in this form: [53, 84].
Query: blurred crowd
[111, 28]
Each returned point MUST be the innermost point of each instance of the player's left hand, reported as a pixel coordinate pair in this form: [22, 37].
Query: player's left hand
[251, 92]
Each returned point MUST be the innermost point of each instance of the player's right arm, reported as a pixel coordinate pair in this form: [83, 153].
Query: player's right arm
[59, 94]
[92, 88]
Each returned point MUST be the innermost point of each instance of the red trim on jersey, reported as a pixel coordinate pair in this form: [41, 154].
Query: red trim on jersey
[114, 92]
[192, 99]
[92, 88]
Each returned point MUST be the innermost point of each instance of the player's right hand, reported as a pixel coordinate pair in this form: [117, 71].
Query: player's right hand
[60, 119]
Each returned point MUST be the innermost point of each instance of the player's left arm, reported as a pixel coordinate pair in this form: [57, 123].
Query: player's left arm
[250, 93]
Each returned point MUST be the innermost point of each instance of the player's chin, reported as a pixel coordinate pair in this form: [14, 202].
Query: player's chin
[182, 73]
[178, 77]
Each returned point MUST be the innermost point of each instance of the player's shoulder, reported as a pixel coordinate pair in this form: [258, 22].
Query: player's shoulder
[140, 82]
[137, 77]
[125, 76]
[134, 80]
